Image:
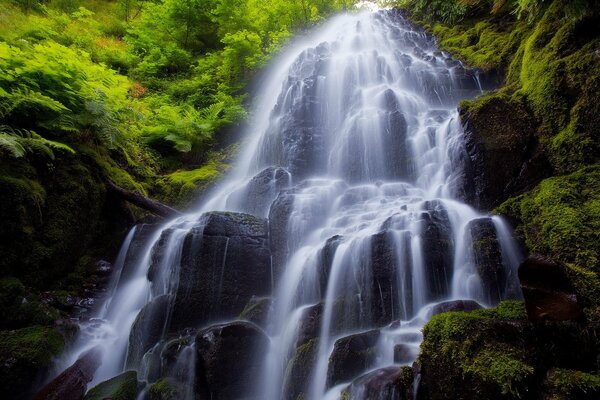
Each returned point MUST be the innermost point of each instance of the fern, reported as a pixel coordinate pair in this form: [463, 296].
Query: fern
[16, 143]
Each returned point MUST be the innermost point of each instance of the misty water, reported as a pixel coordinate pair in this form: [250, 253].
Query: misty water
[355, 155]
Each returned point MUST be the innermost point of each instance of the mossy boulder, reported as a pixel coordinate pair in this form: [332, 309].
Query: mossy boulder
[121, 387]
[164, 389]
[19, 307]
[25, 356]
[298, 372]
[498, 353]
[505, 156]
[563, 384]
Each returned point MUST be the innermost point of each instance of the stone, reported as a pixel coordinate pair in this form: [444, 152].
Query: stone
[257, 310]
[136, 250]
[72, 383]
[438, 249]
[279, 216]
[505, 158]
[225, 262]
[147, 329]
[258, 194]
[547, 290]
[298, 373]
[352, 355]
[455, 305]
[487, 259]
[121, 387]
[227, 366]
[384, 289]
[405, 353]
[391, 383]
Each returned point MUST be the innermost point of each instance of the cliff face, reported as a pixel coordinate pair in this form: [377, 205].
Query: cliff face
[534, 151]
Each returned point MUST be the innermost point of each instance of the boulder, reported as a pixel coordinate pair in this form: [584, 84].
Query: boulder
[258, 194]
[455, 305]
[171, 353]
[438, 249]
[225, 262]
[325, 261]
[279, 216]
[384, 290]
[547, 290]
[391, 383]
[352, 355]
[504, 154]
[228, 366]
[257, 310]
[487, 259]
[136, 250]
[147, 329]
[72, 383]
[121, 387]
[298, 372]
[405, 353]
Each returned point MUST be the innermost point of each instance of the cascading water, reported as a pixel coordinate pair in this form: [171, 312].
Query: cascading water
[357, 160]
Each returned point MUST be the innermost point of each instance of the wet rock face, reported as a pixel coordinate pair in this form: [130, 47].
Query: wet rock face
[487, 258]
[455, 305]
[227, 367]
[72, 383]
[351, 355]
[121, 387]
[504, 156]
[136, 250]
[225, 262]
[384, 284]
[147, 329]
[299, 370]
[438, 249]
[382, 384]
[548, 293]
[258, 194]
[279, 215]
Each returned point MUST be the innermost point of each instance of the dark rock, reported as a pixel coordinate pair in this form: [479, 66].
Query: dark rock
[137, 249]
[325, 261]
[279, 216]
[505, 157]
[227, 365]
[225, 262]
[352, 355]
[438, 249]
[148, 329]
[548, 292]
[487, 258]
[298, 373]
[158, 253]
[384, 289]
[455, 305]
[392, 383]
[257, 310]
[258, 194]
[171, 353]
[103, 268]
[72, 383]
[405, 353]
[121, 387]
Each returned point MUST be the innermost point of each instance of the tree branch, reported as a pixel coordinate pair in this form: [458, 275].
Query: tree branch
[144, 202]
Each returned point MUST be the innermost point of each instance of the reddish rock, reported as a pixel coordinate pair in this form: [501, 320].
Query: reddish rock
[547, 290]
[72, 383]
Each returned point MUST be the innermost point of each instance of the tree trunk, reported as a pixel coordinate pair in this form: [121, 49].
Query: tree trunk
[144, 202]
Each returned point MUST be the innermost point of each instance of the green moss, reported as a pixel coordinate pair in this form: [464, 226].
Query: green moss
[19, 307]
[163, 390]
[500, 368]
[561, 217]
[121, 387]
[568, 385]
[482, 44]
[25, 355]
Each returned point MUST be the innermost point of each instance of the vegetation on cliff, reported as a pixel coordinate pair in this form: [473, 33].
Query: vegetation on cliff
[542, 125]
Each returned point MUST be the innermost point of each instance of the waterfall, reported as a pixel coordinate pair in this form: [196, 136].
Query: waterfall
[343, 219]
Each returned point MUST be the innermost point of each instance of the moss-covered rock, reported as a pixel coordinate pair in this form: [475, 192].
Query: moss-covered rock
[498, 353]
[562, 384]
[163, 389]
[19, 307]
[25, 356]
[121, 387]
